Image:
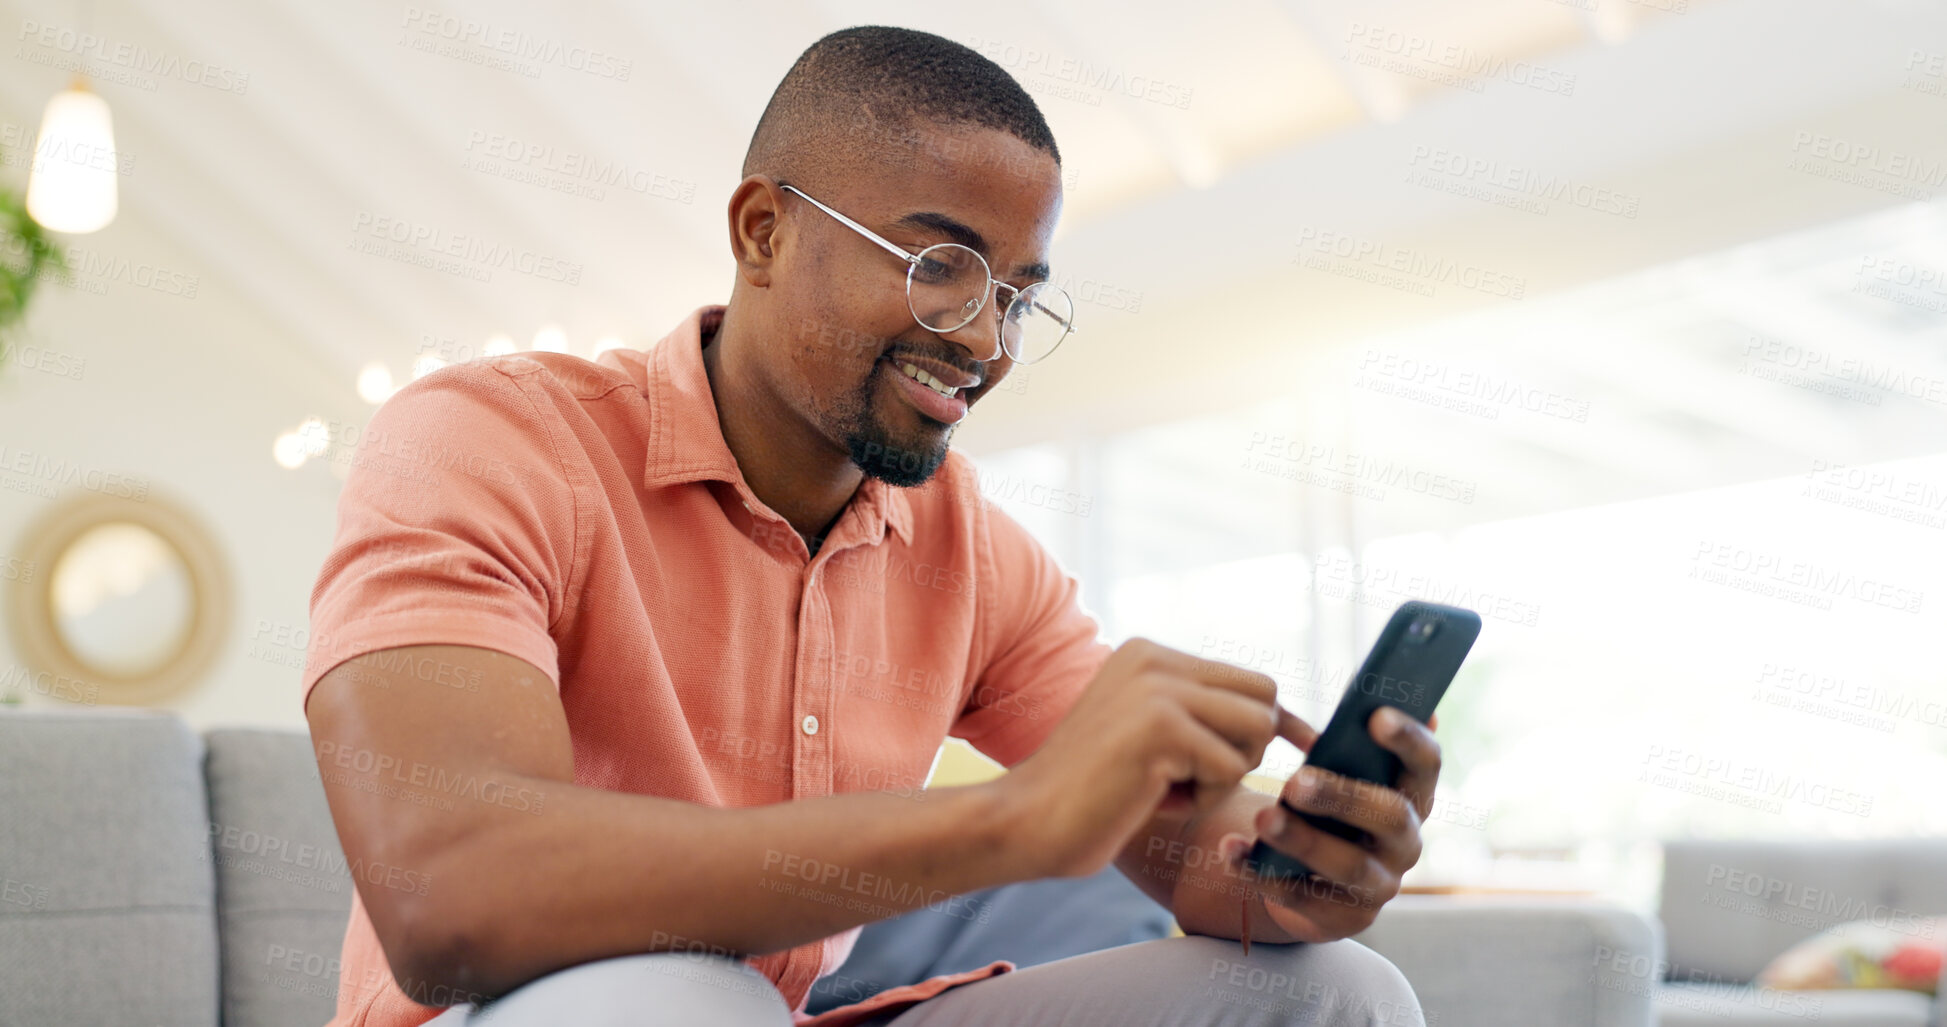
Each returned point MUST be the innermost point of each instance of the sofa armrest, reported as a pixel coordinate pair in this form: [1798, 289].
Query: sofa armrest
[1494, 961]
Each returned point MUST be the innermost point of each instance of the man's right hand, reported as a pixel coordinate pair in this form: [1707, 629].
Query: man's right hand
[1157, 730]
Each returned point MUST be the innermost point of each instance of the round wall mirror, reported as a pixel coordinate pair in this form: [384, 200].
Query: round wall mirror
[129, 604]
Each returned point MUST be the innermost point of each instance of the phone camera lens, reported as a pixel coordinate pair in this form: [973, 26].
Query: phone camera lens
[1421, 629]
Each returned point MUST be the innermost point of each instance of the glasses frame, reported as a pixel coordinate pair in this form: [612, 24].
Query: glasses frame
[913, 261]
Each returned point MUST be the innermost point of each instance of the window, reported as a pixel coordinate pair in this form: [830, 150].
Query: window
[1702, 509]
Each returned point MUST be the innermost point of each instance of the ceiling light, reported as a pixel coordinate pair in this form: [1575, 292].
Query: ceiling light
[71, 187]
[288, 450]
[375, 383]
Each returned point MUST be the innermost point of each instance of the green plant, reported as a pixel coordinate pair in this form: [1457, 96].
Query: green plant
[27, 253]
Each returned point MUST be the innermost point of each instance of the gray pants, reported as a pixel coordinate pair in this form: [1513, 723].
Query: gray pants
[1172, 981]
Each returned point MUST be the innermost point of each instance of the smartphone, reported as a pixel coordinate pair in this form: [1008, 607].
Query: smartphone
[1410, 666]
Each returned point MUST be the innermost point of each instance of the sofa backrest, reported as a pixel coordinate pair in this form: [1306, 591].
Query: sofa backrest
[284, 891]
[107, 895]
[1730, 907]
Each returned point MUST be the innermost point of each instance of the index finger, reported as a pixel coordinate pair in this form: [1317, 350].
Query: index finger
[1294, 729]
[1218, 674]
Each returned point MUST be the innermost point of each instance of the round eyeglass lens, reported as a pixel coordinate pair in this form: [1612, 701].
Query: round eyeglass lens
[1036, 322]
[946, 287]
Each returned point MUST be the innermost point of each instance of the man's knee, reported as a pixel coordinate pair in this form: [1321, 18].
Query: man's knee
[1370, 986]
[1342, 984]
[655, 988]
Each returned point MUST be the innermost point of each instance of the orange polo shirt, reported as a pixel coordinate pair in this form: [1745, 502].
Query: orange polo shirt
[587, 517]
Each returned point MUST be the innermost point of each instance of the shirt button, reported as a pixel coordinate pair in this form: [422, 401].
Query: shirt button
[810, 724]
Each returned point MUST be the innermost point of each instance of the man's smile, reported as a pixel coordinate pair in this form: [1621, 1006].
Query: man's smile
[925, 390]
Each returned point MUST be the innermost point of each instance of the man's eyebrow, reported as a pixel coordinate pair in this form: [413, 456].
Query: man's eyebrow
[952, 228]
[964, 234]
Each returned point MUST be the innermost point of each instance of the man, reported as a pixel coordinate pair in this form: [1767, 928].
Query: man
[629, 673]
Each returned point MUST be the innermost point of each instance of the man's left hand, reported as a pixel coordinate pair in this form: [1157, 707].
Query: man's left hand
[1351, 881]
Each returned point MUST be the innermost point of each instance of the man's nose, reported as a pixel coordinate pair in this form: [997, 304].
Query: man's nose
[980, 338]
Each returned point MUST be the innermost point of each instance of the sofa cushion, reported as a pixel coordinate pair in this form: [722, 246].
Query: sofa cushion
[283, 890]
[1720, 1005]
[1730, 907]
[1865, 955]
[107, 897]
[1496, 960]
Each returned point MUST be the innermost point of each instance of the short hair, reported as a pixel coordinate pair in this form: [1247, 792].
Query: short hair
[873, 81]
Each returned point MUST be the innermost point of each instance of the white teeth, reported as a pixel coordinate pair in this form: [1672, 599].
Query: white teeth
[926, 379]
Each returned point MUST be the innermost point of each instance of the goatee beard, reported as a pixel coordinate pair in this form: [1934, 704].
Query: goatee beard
[875, 453]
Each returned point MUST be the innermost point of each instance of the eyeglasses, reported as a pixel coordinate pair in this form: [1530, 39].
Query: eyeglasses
[947, 286]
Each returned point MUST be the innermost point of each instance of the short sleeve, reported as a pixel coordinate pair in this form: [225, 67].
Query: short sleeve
[1041, 647]
[456, 525]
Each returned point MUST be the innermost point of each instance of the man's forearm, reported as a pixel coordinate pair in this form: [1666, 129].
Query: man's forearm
[606, 873]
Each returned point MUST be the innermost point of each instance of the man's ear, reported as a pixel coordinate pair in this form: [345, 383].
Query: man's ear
[754, 226]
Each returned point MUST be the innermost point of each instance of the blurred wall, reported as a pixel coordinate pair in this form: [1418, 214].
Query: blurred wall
[181, 385]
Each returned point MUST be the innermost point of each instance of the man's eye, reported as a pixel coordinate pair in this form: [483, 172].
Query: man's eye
[930, 270]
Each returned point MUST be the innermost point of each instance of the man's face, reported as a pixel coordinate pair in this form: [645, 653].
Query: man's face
[843, 298]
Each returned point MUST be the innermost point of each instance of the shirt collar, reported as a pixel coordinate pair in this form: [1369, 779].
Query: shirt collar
[686, 439]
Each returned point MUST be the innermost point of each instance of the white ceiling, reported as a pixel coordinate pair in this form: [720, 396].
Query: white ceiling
[1254, 123]
[344, 118]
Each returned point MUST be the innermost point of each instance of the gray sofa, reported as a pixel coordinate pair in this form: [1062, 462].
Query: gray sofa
[1540, 962]
[154, 876]
[151, 875]
[1729, 908]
